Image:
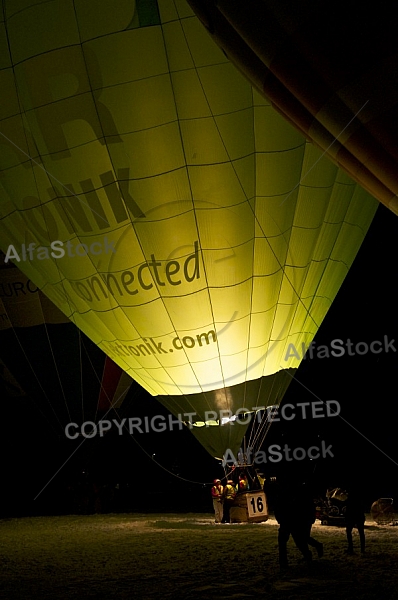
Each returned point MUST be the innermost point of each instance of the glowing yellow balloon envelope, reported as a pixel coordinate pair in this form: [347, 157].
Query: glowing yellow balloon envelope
[165, 207]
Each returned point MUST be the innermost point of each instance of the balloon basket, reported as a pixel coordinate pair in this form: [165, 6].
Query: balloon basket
[249, 507]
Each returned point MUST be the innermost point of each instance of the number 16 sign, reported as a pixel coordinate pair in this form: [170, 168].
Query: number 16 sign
[256, 505]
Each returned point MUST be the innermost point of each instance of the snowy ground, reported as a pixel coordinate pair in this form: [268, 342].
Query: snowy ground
[185, 556]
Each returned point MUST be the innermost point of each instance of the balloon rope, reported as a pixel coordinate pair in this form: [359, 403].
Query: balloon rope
[258, 434]
[131, 436]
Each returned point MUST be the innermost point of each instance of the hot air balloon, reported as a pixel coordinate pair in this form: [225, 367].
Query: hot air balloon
[49, 362]
[331, 71]
[166, 208]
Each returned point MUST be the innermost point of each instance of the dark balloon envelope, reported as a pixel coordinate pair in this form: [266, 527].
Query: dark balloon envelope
[331, 70]
[47, 360]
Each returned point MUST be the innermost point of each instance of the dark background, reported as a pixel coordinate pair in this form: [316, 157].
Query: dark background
[44, 473]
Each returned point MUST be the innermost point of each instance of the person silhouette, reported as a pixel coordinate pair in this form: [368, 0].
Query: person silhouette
[354, 517]
[295, 517]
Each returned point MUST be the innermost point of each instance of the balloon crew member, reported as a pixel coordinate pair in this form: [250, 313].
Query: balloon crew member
[218, 497]
[260, 480]
[354, 517]
[291, 522]
[229, 497]
[243, 483]
[306, 506]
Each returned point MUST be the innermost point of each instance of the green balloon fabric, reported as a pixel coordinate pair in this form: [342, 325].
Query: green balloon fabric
[165, 207]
